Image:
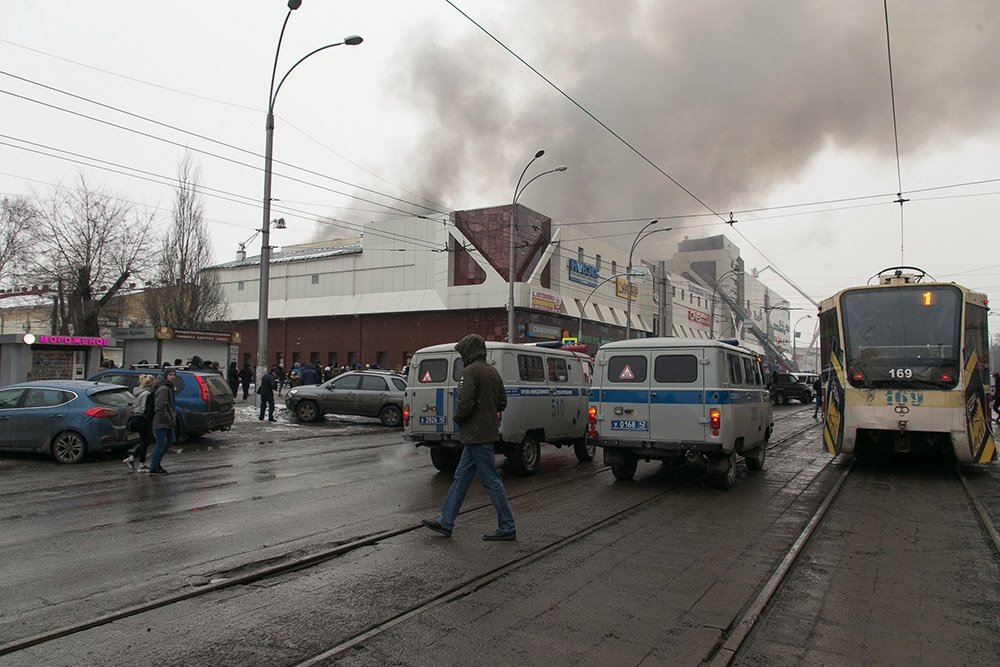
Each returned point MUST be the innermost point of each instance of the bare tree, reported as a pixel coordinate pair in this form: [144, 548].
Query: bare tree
[87, 242]
[17, 217]
[189, 296]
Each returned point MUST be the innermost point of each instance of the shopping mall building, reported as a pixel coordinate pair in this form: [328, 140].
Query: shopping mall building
[407, 283]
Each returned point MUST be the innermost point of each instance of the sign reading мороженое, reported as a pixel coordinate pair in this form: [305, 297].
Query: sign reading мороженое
[72, 340]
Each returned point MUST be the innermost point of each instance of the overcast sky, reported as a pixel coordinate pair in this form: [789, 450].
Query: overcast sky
[754, 108]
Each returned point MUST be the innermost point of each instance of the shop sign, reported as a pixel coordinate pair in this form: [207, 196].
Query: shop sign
[133, 332]
[545, 301]
[544, 331]
[82, 341]
[210, 336]
[699, 317]
[583, 273]
[622, 288]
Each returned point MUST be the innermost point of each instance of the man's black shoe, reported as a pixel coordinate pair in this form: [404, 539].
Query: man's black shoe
[436, 527]
[272, 419]
[500, 537]
[158, 471]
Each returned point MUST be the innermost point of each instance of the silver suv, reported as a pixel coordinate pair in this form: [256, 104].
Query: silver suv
[363, 393]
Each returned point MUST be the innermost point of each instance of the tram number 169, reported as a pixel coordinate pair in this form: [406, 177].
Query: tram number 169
[901, 373]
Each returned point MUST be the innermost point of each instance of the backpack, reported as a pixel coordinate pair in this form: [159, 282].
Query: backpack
[149, 409]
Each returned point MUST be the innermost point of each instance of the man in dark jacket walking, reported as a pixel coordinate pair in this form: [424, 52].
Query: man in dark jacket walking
[818, 390]
[246, 377]
[266, 391]
[481, 399]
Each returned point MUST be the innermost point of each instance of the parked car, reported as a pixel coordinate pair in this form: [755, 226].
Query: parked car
[67, 418]
[204, 400]
[787, 386]
[367, 393]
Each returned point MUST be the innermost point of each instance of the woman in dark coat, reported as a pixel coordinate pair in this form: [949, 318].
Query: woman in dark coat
[233, 378]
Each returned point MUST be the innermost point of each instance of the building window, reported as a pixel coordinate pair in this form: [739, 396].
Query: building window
[315, 279]
[314, 358]
[331, 360]
[579, 255]
[597, 262]
[296, 358]
[352, 359]
[382, 359]
[240, 286]
[614, 267]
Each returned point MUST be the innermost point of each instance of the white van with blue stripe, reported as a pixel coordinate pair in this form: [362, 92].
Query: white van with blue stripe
[547, 393]
[680, 399]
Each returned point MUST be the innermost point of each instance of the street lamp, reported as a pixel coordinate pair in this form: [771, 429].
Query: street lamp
[795, 335]
[513, 214]
[579, 329]
[715, 290]
[265, 230]
[628, 270]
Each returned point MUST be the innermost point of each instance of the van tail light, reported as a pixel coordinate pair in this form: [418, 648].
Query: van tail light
[406, 414]
[203, 387]
[100, 413]
[592, 421]
[714, 420]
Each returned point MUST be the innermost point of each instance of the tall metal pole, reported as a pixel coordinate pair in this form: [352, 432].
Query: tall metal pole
[510, 250]
[628, 270]
[715, 290]
[804, 317]
[265, 229]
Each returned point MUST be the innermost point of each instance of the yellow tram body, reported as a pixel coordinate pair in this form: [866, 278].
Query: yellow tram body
[906, 368]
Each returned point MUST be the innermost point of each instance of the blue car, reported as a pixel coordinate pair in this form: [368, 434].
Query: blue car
[204, 400]
[67, 418]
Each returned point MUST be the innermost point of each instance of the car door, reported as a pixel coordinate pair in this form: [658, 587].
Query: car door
[341, 394]
[43, 413]
[10, 398]
[372, 395]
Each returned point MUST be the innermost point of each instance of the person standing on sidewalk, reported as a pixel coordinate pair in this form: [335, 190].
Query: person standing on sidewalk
[233, 378]
[266, 392]
[818, 390]
[481, 399]
[141, 422]
[246, 377]
[164, 420]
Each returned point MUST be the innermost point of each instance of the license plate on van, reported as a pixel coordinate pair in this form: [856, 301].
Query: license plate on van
[629, 425]
[435, 420]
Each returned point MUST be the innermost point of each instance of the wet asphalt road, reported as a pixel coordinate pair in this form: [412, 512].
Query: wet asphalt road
[657, 585]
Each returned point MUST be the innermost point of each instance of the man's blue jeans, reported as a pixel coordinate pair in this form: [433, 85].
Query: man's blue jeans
[477, 458]
[164, 438]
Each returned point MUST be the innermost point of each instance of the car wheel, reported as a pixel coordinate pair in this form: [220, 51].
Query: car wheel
[584, 450]
[391, 415]
[445, 460]
[526, 454]
[779, 398]
[69, 447]
[307, 411]
[755, 459]
[625, 470]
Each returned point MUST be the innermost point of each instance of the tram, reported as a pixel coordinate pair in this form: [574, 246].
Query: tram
[906, 368]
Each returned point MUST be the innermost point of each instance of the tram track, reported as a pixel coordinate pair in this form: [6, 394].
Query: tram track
[729, 649]
[254, 572]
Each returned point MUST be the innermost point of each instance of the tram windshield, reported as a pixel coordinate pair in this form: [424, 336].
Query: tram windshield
[902, 337]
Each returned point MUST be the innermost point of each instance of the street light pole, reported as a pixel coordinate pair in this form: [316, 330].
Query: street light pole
[795, 335]
[579, 329]
[265, 230]
[510, 250]
[628, 270]
[715, 290]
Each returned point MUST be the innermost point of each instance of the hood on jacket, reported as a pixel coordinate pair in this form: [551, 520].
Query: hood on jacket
[471, 347]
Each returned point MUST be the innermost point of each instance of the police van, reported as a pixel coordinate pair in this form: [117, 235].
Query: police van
[680, 399]
[547, 391]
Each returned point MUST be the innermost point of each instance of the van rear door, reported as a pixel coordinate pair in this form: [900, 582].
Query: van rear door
[677, 411]
[624, 396]
[433, 393]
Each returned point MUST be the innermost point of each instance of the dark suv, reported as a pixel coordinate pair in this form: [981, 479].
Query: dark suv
[204, 400]
[786, 386]
[371, 393]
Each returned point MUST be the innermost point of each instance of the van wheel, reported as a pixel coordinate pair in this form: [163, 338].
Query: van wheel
[391, 415]
[307, 411]
[525, 455]
[755, 459]
[727, 478]
[625, 470]
[779, 398]
[445, 460]
[585, 451]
